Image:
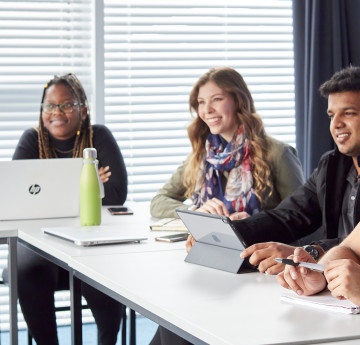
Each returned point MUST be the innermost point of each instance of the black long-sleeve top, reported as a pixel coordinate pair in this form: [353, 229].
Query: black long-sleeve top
[108, 154]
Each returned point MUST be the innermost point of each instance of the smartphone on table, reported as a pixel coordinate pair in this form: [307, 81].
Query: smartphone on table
[173, 238]
[120, 210]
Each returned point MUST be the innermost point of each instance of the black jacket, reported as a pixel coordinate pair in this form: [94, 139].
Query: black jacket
[316, 204]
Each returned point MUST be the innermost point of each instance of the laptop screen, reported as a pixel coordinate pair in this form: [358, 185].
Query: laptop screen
[40, 188]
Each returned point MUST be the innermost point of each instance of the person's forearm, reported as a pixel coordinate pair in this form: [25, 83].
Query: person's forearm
[339, 252]
[163, 206]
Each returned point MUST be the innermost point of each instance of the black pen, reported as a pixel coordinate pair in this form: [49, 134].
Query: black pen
[311, 266]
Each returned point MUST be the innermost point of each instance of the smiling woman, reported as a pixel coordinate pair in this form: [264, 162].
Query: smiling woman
[62, 120]
[217, 108]
[235, 169]
[64, 131]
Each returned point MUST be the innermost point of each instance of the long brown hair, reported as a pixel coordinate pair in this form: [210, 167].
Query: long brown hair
[231, 82]
[84, 134]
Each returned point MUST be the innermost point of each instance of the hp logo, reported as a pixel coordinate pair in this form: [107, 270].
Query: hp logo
[34, 189]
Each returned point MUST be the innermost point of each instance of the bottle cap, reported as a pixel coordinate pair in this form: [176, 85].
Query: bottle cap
[89, 153]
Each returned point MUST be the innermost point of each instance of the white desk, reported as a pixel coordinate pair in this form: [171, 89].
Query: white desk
[61, 252]
[199, 303]
[344, 342]
[30, 231]
[8, 235]
[214, 307]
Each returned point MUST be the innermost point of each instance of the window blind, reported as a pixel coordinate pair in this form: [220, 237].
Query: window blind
[156, 50]
[37, 40]
[153, 53]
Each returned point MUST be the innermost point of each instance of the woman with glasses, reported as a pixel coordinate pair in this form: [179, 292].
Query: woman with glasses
[64, 131]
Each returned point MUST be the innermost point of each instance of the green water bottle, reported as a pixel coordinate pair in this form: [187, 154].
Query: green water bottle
[90, 190]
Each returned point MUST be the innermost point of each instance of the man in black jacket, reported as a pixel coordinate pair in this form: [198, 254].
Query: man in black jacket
[328, 201]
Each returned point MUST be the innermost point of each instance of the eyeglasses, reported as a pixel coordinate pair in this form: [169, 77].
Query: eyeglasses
[50, 108]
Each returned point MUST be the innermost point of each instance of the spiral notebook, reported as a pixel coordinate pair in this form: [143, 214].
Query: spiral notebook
[323, 300]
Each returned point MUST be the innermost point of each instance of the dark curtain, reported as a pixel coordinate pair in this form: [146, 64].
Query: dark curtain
[326, 39]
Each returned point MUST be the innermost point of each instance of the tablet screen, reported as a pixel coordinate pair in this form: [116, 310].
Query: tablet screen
[211, 229]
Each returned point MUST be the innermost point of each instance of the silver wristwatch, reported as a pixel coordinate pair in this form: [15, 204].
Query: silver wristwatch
[312, 251]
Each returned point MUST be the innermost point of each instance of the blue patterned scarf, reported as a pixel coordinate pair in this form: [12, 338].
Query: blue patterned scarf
[234, 157]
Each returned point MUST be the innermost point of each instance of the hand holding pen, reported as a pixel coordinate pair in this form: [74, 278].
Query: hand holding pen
[302, 280]
[308, 265]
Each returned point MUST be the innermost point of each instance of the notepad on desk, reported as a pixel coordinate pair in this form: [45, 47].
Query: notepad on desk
[169, 224]
[323, 300]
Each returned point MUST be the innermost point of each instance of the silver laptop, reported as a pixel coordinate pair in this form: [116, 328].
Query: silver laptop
[96, 235]
[40, 188]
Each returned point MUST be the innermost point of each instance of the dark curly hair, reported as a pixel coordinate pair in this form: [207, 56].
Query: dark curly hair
[347, 79]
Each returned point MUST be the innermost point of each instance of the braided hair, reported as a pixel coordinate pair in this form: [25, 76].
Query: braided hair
[84, 137]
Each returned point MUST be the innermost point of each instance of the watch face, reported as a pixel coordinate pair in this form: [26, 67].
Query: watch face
[312, 251]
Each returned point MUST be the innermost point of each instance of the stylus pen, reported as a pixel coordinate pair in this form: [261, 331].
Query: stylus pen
[310, 266]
